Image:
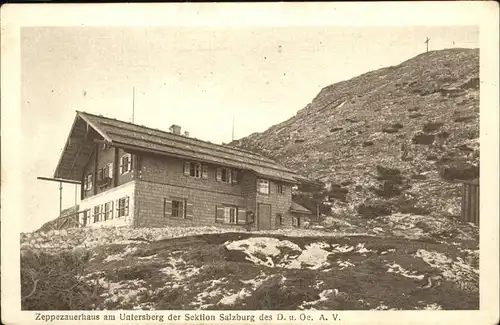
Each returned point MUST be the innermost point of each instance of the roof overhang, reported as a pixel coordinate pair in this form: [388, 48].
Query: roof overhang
[77, 150]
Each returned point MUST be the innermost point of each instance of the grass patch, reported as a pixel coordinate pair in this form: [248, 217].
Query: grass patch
[53, 282]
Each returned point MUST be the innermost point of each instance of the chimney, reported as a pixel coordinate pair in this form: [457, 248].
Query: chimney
[175, 129]
[186, 133]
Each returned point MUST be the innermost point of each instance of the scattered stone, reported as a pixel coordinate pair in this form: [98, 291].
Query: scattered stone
[370, 211]
[416, 115]
[432, 127]
[465, 119]
[390, 130]
[426, 139]
[443, 135]
[459, 170]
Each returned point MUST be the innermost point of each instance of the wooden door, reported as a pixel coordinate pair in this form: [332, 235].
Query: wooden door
[264, 216]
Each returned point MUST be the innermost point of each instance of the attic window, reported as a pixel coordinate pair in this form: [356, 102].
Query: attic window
[263, 186]
[227, 175]
[196, 170]
[105, 173]
[224, 175]
[87, 184]
[126, 164]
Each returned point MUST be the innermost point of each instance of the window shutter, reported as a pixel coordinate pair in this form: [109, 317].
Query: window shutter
[219, 174]
[117, 208]
[242, 216]
[189, 210]
[186, 168]
[234, 176]
[226, 215]
[204, 171]
[126, 206]
[219, 214]
[129, 167]
[111, 209]
[167, 207]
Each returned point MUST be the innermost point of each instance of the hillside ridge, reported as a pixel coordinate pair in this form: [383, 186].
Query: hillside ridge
[420, 118]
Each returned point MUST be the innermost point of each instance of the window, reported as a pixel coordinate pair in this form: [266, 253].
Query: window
[223, 175]
[105, 173]
[126, 164]
[108, 210]
[230, 215]
[97, 213]
[227, 175]
[87, 183]
[296, 222]
[178, 209]
[234, 176]
[263, 186]
[123, 207]
[85, 217]
[195, 170]
[100, 174]
[279, 219]
[279, 189]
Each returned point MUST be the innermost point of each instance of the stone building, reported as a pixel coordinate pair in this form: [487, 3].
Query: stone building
[143, 177]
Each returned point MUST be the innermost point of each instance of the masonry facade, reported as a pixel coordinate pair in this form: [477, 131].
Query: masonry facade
[128, 181]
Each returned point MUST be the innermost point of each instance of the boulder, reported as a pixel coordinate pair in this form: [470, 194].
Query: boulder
[459, 170]
[374, 210]
[432, 127]
[425, 139]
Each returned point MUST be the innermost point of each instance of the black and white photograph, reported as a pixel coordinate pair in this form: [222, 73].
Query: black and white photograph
[218, 168]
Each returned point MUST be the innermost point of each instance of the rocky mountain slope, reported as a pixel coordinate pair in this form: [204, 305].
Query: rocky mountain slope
[391, 140]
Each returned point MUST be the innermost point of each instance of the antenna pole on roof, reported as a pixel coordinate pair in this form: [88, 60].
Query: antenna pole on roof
[133, 103]
[232, 134]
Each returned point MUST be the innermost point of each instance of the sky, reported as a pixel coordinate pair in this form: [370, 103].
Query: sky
[196, 77]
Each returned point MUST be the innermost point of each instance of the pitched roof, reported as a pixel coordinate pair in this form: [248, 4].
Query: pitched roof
[142, 138]
[295, 207]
